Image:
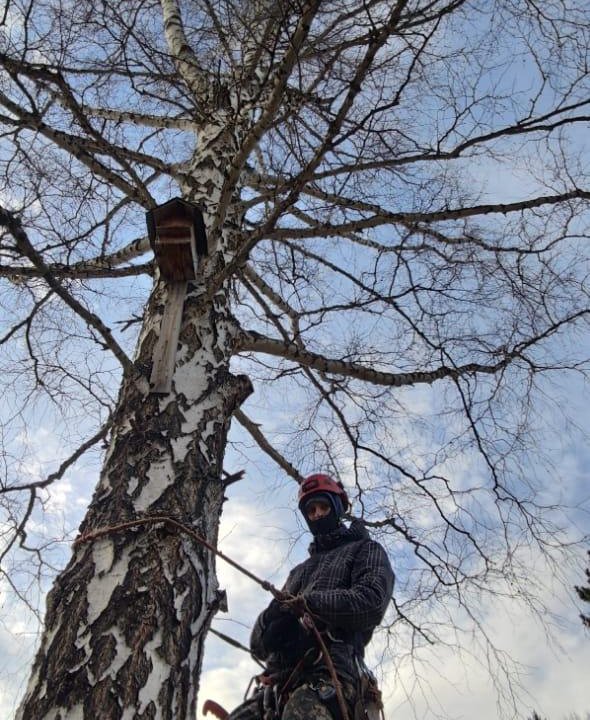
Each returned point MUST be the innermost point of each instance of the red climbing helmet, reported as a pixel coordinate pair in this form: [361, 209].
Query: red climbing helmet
[320, 483]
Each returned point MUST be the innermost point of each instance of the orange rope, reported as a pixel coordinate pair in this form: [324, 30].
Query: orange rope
[154, 519]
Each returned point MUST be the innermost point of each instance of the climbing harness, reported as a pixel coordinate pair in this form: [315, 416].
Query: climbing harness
[370, 697]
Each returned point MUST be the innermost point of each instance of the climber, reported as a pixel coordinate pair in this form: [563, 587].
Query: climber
[344, 586]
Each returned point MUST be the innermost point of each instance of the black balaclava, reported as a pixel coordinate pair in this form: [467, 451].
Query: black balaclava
[332, 520]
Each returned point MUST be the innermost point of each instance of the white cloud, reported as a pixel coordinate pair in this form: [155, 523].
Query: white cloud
[226, 685]
[441, 680]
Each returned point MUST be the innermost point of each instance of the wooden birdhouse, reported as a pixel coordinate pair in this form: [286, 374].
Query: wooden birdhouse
[177, 235]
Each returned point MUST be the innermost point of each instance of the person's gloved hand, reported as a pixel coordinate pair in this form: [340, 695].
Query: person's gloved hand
[295, 604]
[281, 632]
[274, 611]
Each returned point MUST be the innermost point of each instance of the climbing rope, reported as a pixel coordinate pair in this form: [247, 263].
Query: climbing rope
[181, 527]
[296, 604]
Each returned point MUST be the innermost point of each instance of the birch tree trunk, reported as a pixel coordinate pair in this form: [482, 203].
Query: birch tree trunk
[127, 618]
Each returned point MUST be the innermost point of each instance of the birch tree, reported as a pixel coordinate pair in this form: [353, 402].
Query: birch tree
[395, 197]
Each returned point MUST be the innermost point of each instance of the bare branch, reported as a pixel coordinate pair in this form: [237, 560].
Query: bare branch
[185, 59]
[409, 219]
[264, 444]
[124, 116]
[23, 243]
[65, 465]
[255, 342]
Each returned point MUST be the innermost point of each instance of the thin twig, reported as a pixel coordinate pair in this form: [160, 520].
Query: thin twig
[25, 246]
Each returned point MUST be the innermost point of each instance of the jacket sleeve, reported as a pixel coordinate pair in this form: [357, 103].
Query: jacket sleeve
[257, 645]
[362, 605]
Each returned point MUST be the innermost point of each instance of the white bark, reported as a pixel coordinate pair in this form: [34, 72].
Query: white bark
[132, 608]
[127, 618]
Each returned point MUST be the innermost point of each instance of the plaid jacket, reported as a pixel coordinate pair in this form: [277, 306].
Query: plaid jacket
[347, 583]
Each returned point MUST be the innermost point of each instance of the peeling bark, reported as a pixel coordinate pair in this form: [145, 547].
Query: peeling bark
[127, 618]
